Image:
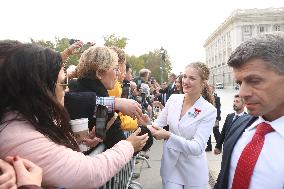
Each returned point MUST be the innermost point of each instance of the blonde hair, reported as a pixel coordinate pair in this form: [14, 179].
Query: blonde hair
[203, 72]
[94, 59]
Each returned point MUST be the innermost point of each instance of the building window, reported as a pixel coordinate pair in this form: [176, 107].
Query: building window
[261, 29]
[247, 30]
[276, 27]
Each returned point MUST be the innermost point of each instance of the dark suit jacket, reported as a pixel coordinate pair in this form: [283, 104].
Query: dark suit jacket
[233, 135]
[225, 129]
[170, 90]
[226, 126]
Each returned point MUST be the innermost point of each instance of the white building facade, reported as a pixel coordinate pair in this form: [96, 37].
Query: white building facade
[238, 27]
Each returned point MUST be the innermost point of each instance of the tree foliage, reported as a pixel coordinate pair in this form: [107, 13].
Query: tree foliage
[59, 45]
[152, 61]
[113, 40]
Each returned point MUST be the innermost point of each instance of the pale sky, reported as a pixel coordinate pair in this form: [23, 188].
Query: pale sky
[180, 26]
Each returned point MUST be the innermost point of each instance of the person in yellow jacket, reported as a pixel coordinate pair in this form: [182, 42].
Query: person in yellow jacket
[127, 123]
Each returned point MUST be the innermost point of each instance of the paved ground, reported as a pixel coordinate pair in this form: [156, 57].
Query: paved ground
[150, 177]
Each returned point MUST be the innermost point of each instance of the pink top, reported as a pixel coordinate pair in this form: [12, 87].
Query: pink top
[62, 167]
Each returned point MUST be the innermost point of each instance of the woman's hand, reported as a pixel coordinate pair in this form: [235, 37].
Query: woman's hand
[161, 133]
[72, 49]
[27, 172]
[92, 140]
[75, 48]
[144, 120]
[138, 142]
[152, 129]
[7, 176]
[128, 107]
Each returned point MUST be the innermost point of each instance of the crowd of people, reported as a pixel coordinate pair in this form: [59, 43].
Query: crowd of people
[40, 97]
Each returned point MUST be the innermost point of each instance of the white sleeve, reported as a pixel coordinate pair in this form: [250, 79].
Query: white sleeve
[196, 145]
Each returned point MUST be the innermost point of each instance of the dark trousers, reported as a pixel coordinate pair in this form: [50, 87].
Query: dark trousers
[217, 134]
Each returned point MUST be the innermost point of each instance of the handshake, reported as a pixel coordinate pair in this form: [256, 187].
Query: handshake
[157, 132]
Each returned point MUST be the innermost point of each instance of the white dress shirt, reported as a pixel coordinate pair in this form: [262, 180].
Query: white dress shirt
[269, 169]
[239, 115]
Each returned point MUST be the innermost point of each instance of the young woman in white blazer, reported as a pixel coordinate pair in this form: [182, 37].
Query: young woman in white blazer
[191, 117]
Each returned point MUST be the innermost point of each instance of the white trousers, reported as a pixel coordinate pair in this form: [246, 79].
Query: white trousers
[171, 185]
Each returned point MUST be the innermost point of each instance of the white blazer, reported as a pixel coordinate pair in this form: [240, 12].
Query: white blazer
[184, 158]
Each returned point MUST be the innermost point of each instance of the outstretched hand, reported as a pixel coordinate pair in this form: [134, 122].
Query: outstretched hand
[160, 133]
[92, 140]
[138, 142]
[128, 107]
[144, 120]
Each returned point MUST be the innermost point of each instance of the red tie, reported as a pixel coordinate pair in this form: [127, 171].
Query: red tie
[249, 157]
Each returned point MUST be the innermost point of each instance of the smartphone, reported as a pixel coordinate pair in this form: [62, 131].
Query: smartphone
[101, 120]
[85, 47]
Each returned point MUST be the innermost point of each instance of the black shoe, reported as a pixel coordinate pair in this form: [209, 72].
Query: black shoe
[208, 149]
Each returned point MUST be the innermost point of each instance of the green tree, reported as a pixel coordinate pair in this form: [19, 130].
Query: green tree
[137, 63]
[113, 40]
[62, 44]
[59, 45]
[153, 62]
[43, 43]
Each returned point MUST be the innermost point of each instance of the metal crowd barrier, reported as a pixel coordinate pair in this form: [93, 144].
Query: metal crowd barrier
[123, 179]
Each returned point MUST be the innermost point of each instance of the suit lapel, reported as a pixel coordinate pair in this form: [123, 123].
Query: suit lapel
[234, 133]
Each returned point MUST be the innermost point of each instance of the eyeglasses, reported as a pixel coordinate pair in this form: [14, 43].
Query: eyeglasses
[63, 83]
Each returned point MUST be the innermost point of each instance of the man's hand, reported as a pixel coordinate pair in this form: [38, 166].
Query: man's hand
[128, 107]
[216, 123]
[217, 151]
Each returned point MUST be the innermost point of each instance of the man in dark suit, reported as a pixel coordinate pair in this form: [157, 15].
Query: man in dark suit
[238, 106]
[162, 98]
[171, 87]
[253, 150]
[216, 131]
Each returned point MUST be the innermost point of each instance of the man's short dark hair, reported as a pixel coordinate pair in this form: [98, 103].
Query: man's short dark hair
[173, 75]
[268, 47]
